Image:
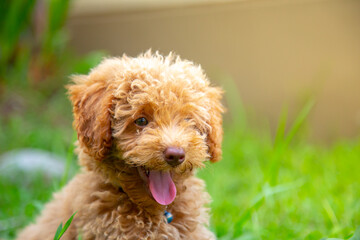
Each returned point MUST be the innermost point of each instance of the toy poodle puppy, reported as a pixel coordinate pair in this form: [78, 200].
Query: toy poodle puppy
[144, 126]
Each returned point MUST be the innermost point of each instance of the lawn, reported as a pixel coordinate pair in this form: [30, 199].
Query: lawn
[266, 187]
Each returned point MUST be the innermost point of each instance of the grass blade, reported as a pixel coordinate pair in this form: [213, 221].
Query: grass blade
[234, 102]
[280, 131]
[58, 231]
[69, 158]
[330, 212]
[300, 119]
[67, 224]
[61, 230]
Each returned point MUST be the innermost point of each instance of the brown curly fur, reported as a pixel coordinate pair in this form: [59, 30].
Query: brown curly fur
[109, 196]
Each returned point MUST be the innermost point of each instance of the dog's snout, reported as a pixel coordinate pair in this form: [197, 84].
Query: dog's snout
[174, 156]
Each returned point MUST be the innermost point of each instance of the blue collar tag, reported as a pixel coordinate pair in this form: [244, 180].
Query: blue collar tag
[169, 217]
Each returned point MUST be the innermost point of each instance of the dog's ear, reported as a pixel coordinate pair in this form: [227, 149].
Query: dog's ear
[92, 102]
[215, 133]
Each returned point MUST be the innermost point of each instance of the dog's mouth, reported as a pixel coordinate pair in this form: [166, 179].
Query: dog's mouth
[160, 184]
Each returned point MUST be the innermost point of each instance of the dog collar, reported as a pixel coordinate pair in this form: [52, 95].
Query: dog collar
[169, 216]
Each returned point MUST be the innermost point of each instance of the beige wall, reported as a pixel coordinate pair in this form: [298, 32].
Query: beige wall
[279, 52]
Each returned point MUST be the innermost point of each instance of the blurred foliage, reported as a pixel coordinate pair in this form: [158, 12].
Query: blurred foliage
[282, 187]
[32, 37]
[35, 62]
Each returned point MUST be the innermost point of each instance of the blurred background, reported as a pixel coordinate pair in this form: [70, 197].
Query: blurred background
[291, 73]
[278, 52]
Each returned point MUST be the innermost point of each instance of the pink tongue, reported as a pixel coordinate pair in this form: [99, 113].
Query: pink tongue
[162, 187]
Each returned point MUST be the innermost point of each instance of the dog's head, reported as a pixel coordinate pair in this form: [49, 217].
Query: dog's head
[158, 115]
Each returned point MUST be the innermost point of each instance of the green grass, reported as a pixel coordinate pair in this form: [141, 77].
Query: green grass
[302, 191]
[266, 187]
[62, 229]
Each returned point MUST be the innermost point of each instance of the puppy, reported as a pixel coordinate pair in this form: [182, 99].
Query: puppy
[144, 126]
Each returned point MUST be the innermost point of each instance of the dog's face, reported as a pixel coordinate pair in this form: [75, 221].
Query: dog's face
[158, 115]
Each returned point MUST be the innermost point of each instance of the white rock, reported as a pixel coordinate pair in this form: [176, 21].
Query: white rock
[32, 160]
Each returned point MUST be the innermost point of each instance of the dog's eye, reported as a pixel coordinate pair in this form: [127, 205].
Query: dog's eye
[141, 122]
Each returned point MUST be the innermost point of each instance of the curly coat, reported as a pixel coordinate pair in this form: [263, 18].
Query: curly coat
[110, 195]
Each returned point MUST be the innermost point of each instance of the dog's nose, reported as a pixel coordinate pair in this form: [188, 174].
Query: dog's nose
[174, 156]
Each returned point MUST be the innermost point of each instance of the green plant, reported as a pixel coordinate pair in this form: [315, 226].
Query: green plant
[282, 187]
[61, 230]
[32, 39]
